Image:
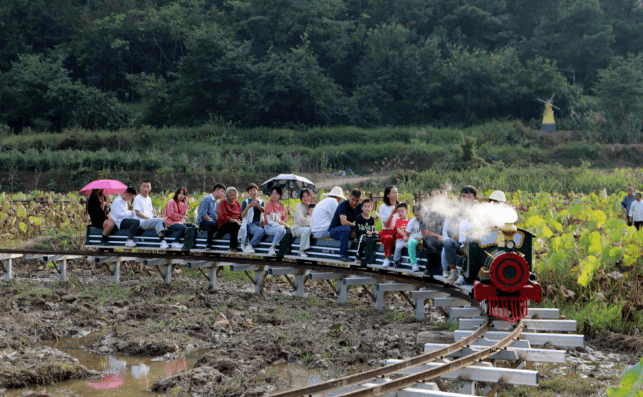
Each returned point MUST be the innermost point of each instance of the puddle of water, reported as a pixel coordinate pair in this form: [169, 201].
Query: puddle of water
[125, 376]
[297, 376]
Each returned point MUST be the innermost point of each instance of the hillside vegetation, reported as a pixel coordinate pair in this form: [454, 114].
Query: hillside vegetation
[123, 63]
[505, 155]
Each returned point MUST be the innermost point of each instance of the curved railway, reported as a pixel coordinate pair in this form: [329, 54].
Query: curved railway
[486, 354]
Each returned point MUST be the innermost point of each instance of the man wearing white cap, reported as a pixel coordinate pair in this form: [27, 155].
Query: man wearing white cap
[497, 196]
[324, 211]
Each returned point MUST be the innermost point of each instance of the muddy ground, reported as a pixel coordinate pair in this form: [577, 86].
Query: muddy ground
[242, 334]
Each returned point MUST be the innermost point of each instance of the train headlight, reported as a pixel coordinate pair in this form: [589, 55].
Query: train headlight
[510, 244]
[509, 271]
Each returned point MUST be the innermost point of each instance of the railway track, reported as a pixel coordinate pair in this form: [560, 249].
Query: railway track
[485, 355]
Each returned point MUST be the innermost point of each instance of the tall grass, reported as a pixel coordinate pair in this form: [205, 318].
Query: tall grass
[549, 177]
[511, 156]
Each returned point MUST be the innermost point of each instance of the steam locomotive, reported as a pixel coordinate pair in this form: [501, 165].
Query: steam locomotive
[499, 265]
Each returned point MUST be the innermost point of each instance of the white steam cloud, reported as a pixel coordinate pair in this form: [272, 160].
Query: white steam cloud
[483, 216]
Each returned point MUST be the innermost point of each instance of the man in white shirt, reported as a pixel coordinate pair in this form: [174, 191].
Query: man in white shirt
[123, 217]
[324, 212]
[144, 212]
[636, 212]
[454, 234]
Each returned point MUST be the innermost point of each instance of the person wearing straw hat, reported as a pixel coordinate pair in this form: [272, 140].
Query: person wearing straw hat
[324, 212]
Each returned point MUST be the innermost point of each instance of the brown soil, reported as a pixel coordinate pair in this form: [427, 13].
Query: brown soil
[25, 367]
[243, 333]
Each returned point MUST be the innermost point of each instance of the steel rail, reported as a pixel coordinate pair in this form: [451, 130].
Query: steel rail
[223, 256]
[386, 370]
[443, 369]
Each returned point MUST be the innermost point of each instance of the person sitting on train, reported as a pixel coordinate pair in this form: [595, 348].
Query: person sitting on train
[251, 210]
[144, 212]
[123, 217]
[431, 229]
[301, 225]
[324, 211]
[453, 235]
[400, 238]
[176, 213]
[207, 212]
[414, 235]
[388, 216]
[497, 196]
[343, 223]
[364, 230]
[275, 220]
[97, 210]
[229, 217]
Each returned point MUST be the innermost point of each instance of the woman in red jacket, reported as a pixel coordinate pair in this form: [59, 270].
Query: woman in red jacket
[229, 217]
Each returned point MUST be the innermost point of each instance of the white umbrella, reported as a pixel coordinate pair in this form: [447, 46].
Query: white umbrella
[291, 183]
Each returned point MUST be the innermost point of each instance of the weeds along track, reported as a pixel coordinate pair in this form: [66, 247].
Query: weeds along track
[486, 354]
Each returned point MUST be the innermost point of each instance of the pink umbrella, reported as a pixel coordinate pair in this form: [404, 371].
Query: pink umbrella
[109, 186]
[109, 381]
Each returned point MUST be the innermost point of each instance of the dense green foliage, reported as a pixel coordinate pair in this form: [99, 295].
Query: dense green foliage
[318, 63]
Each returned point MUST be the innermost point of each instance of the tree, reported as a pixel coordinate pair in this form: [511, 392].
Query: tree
[211, 78]
[37, 92]
[291, 87]
[399, 73]
[578, 37]
[620, 93]
[626, 19]
[35, 26]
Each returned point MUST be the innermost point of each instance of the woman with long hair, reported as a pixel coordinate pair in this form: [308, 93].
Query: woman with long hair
[275, 219]
[388, 216]
[98, 210]
[176, 214]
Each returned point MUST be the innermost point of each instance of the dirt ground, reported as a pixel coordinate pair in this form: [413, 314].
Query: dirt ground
[242, 333]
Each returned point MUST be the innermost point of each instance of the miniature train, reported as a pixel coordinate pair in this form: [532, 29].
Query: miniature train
[498, 264]
[500, 267]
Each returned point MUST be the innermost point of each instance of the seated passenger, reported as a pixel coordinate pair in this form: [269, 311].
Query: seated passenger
[207, 212]
[144, 212]
[414, 235]
[301, 225]
[364, 229]
[453, 235]
[176, 214]
[324, 211]
[97, 210]
[229, 217]
[123, 217]
[431, 228]
[388, 216]
[275, 221]
[400, 227]
[252, 207]
[343, 223]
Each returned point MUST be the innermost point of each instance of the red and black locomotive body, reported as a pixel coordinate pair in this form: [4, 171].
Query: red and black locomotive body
[499, 265]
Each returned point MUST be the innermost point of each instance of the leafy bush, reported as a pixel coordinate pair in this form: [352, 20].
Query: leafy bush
[38, 92]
